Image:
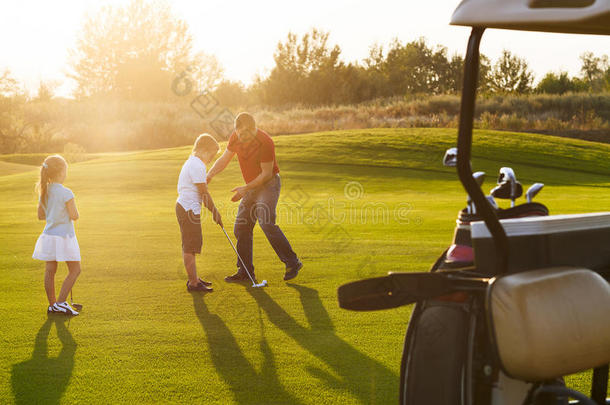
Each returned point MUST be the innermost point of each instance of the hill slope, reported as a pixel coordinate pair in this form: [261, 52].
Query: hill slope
[354, 204]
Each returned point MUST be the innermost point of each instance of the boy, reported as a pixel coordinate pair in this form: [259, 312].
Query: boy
[192, 191]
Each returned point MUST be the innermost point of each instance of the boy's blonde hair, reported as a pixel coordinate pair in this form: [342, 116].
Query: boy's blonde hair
[50, 169]
[206, 142]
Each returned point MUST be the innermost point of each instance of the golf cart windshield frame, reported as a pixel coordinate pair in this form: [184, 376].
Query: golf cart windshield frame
[464, 146]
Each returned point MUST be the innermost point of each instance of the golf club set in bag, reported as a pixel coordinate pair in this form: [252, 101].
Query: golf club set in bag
[521, 298]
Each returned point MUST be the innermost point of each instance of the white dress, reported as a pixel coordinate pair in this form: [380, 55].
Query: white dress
[58, 240]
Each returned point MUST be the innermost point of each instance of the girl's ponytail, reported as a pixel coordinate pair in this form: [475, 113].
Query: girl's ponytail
[43, 184]
[50, 169]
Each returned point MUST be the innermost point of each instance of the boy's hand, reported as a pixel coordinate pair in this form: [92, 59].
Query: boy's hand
[239, 193]
[217, 218]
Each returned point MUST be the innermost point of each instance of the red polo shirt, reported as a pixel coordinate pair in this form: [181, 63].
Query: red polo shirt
[251, 154]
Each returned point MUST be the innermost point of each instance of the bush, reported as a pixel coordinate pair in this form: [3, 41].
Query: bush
[74, 153]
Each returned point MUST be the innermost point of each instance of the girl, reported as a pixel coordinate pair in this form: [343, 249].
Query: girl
[57, 243]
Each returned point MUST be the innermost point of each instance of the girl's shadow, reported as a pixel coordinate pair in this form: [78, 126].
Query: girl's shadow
[42, 379]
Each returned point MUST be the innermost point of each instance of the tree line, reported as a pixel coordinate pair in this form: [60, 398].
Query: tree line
[309, 71]
[136, 53]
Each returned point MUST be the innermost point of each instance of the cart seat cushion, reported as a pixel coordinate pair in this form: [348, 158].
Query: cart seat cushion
[550, 322]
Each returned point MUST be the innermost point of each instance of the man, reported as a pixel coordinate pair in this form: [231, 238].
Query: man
[256, 154]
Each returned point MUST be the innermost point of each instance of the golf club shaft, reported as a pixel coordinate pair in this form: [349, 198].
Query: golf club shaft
[238, 256]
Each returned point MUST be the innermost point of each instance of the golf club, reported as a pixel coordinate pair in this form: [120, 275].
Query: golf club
[508, 174]
[492, 201]
[78, 307]
[479, 177]
[261, 284]
[533, 190]
[504, 191]
[450, 158]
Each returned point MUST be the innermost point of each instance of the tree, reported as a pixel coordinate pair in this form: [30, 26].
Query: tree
[455, 74]
[8, 85]
[560, 83]
[595, 71]
[510, 74]
[12, 122]
[135, 51]
[305, 70]
[230, 93]
[416, 68]
[46, 90]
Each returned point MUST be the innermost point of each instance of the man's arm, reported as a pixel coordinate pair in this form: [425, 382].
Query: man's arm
[265, 174]
[220, 164]
[207, 201]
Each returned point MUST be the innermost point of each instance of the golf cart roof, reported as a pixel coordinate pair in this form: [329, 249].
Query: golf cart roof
[566, 16]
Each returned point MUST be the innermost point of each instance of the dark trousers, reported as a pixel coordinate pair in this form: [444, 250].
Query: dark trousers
[260, 205]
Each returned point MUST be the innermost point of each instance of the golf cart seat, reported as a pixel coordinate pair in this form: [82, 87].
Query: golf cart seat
[550, 322]
[564, 16]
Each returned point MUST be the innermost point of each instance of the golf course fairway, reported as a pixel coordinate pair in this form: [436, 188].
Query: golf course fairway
[354, 204]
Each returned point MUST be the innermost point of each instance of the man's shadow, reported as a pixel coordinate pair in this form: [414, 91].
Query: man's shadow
[246, 384]
[42, 379]
[359, 374]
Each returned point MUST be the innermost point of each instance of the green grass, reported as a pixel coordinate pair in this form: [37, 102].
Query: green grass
[142, 338]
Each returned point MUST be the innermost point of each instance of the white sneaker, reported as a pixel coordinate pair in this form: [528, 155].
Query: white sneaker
[64, 308]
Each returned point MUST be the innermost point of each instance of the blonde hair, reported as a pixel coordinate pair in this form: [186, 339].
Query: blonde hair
[50, 169]
[206, 142]
[245, 120]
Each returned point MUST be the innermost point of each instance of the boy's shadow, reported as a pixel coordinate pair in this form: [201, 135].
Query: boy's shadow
[359, 374]
[42, 379]
[247, 385]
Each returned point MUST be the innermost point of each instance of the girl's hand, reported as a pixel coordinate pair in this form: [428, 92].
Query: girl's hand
[41, 214]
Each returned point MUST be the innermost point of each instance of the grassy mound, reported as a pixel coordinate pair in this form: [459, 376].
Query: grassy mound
[354, 204]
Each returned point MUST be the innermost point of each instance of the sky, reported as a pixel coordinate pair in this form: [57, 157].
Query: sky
[35, 36]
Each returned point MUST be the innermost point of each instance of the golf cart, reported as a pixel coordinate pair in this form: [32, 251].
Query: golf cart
[533, 302]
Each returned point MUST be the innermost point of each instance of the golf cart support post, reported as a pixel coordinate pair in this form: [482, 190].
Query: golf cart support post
[483, 207]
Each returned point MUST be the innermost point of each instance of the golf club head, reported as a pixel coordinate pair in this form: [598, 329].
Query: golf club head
[506, 173]
[261, 284]
[450, 158]
[503, 191]
[533, 190]
[77, 307]
[479, 177]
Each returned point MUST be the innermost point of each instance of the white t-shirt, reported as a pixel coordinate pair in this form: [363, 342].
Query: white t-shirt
[193, 172]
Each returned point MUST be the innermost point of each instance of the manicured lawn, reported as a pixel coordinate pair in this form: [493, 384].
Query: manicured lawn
[354, 204]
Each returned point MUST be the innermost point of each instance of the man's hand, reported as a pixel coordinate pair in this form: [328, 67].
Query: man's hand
[239, 193]
[217, 218]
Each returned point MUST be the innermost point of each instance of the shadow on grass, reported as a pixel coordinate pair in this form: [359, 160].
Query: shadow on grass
[246, 384]
[358, 373]
[42, 379]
